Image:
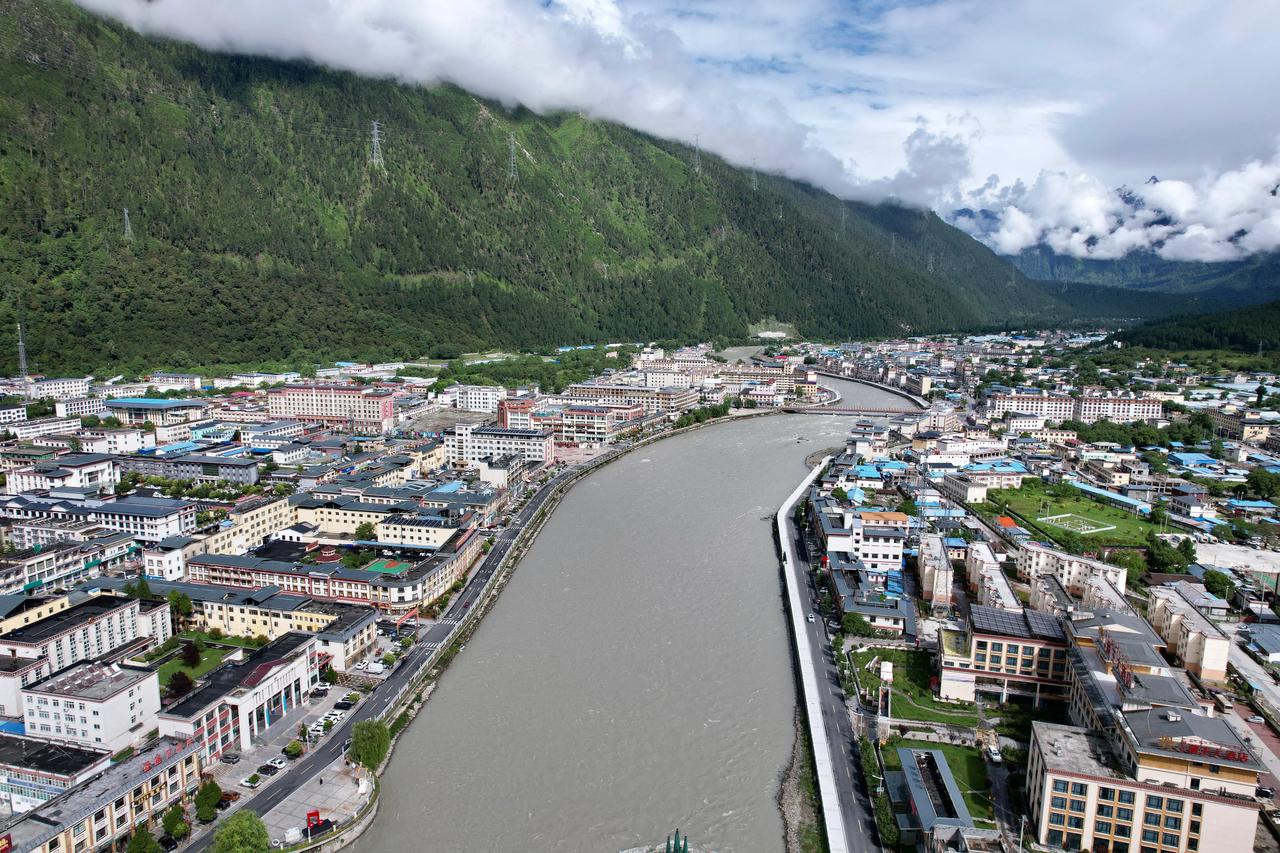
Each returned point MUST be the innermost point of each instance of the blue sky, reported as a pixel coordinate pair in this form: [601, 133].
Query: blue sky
[1033, 109]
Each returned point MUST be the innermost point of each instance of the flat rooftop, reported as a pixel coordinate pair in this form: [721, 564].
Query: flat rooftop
[65, 620]
[91, 681]
[55, 758]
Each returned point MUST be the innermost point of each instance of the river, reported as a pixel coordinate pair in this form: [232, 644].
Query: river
[635, 674]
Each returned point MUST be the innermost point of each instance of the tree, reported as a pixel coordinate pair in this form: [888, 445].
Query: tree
[366, 532]
[1260, 394]
[190, 655]
[908, 507]
[142, 841]
[175, 822]
[839, 493]
[180, 684]
[856, 626]
[207, 801]
[388, 659]
[90, 421]
[243, 832]
[370, 741]
[1216, 449]
[1263, 483]
[1187, 549]
[138, 589]
[180, 603]
[1159, 515]
[330, 675]
[1220, 584]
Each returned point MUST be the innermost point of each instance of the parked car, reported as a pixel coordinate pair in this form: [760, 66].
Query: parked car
[811, 619]
[230, 758]
[343, 705]
[222, 805]
[1265, 793]
[362, 664]
[278, 763]
[994, 754]
[230, 796]
[250, 781]
[267, 770]
[1256, 718]
[167, 843]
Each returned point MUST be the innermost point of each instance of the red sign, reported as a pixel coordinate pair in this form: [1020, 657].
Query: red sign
[313, 819]
[6, 843]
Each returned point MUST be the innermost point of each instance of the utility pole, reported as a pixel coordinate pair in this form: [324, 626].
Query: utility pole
[128, 228]
[375, 145]
[512, 174]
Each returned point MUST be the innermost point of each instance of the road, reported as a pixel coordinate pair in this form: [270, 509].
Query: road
[383, 696]
[855, 805]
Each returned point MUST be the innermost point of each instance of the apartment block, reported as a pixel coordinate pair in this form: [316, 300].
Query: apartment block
[93, 705]
[1009, 652]
[334, 405]
[1195, 641]
[1035, 559]
[468, 443]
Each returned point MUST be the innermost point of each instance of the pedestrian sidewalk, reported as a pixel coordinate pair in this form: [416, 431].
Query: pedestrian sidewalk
[334, 792]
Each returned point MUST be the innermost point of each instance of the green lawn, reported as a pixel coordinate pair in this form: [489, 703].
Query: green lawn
[966, 765]
[913, 672]
[1033, 502]
[206, 638]
[209, 658]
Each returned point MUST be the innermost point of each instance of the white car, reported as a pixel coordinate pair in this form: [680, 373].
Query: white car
[278, 763]
[250, 782]
[810, 617]
[1256, 719]
[362, 664]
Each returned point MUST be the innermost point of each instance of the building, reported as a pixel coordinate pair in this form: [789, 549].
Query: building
[79, 407]
[1170, 781]
[1035, 559]
[1019, 652]
[200, 468]
[12, 414]
[1057, 407]
[479, 398]
[92, 471]
[33, 771]
[94, 705]
[158, 412]
[118, 441]
[925, 797]
[64, 563]
[350, 406]
[57, 389]
[398, 590]
[240, 701]
[164, 380]
[101, 813]
[28, 430]
[249, 523]
[467, 443]
[1195, 641]
[148, 519]
[596, 425]
[655, 401]
[986, 577]
[515, 412]
[96, 628]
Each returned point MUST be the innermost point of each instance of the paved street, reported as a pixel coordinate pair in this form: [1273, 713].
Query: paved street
[855, 805]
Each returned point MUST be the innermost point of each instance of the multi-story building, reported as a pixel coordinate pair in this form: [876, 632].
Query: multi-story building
[93, 471]
[1195, 641]
[100, 627]
[602, 424]
[1019, 652]
[987, 579]
[158, 412]
[79, 407]
[240, 701]
[1119, 408]
[62, 564]
[514, 412]
[479, 398]
[875, 539]
[350, 406]
[118, 441]
[1052, 407]
[57, 389]
[148, 519]
[164, 380]
[1035, 559]
[102, 706]
[468, 443]
[28, 430]
[1168, 781]
[35, 771]
[1088, 409]
[655, 401]
[201, 468]
[12, 414]
[104, 811]
[398, 590]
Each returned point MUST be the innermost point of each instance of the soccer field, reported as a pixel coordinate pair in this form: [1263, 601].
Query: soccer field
[1077, 523]
[1098, 523]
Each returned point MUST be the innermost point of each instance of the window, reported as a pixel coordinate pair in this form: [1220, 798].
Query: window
[1151, 819]
[1054, 838]
[1102, 826]
[1195, 809]
[1078, 788]
[1154, 802]
[1150, 835]
[1077, 805]
[1106, 811]
[1057, 818]
[1173, 823]
[1060, 785]
[1172, 805]
[1058, 802]
[1075, 822]
[1126, 796]
[1124, 814]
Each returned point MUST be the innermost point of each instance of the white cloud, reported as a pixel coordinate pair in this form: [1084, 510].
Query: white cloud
[879, 99]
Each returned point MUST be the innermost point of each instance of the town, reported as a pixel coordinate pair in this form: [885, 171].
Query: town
[1046, 581]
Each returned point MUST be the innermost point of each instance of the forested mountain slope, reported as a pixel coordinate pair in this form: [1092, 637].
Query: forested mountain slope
[262, 232]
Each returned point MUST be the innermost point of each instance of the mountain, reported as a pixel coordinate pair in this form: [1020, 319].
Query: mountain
[1252, 280]
[1248, 330]
[260, 231]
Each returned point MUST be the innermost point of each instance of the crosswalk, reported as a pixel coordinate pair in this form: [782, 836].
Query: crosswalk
[431, 647]
[452, 620]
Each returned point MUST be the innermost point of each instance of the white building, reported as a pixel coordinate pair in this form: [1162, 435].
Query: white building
[479, 398]
[469, 443]
[57, 389]
[1075, 572]
[79, 407]
[27, 430]
[13, 414]
[103, 706]
[97, 471]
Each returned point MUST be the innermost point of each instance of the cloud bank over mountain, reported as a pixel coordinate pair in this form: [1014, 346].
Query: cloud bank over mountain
[1058, 105]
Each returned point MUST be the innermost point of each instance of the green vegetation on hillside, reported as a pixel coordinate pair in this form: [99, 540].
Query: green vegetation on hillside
[261, 233]
[1244, 330]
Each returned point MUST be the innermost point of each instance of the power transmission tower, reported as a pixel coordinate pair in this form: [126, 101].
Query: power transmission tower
[375, 145]
[512, 174]
[779, 213]
[844, 215]
[697, 154]
[929, 265]
[755, 177]
[128, 227]
[22, 354]
[893, 245]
